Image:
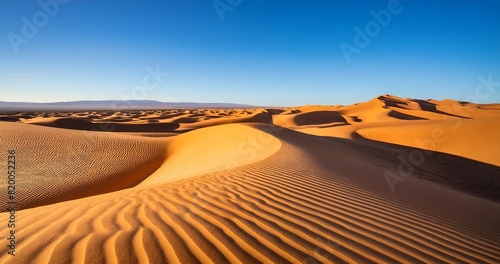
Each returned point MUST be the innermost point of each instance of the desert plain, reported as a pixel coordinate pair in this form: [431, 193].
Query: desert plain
[389, 180]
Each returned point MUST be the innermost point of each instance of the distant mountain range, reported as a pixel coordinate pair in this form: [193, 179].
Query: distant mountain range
[112, 105]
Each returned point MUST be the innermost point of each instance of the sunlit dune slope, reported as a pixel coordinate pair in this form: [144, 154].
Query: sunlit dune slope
[61, 164]
[312, 184]
[477, 139]
[313, 200]
[458, 128]
[213, 149]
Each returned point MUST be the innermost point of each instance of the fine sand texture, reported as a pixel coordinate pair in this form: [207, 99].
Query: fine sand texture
[390, 180]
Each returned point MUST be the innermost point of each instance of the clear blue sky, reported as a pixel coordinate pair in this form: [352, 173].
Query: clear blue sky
[262, 52]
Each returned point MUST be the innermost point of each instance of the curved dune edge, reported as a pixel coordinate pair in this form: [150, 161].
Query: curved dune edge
[60, 165]
[303, 199]
[475, 139]
[55, 165]
[212, 149]
[299, 205]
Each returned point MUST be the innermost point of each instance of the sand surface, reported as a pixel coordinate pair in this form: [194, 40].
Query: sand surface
[391, 180]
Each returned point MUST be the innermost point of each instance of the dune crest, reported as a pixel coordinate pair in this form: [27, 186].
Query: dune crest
[211, 149]
[457, 137]
[391, 180]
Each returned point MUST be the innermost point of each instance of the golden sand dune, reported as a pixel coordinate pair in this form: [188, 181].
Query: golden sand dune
[447, 126]
[58, 164]
[344, 186]
[470, 138]
[213, 149]
[65, 164]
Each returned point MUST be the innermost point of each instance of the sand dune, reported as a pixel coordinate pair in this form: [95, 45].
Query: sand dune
[117, 125]
[459, 137]
[443, 126]
[60, 164]
[218, 148]
[231, 187]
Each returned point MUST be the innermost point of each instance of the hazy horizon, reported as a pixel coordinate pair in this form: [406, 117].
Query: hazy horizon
[231, 103]
[249, 52]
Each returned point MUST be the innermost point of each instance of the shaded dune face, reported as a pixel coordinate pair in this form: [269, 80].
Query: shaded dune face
[59, 164]
[403, 116]
[319, 117]
[117, 125]
[268, 185]
[458, 137]
[300, 204]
